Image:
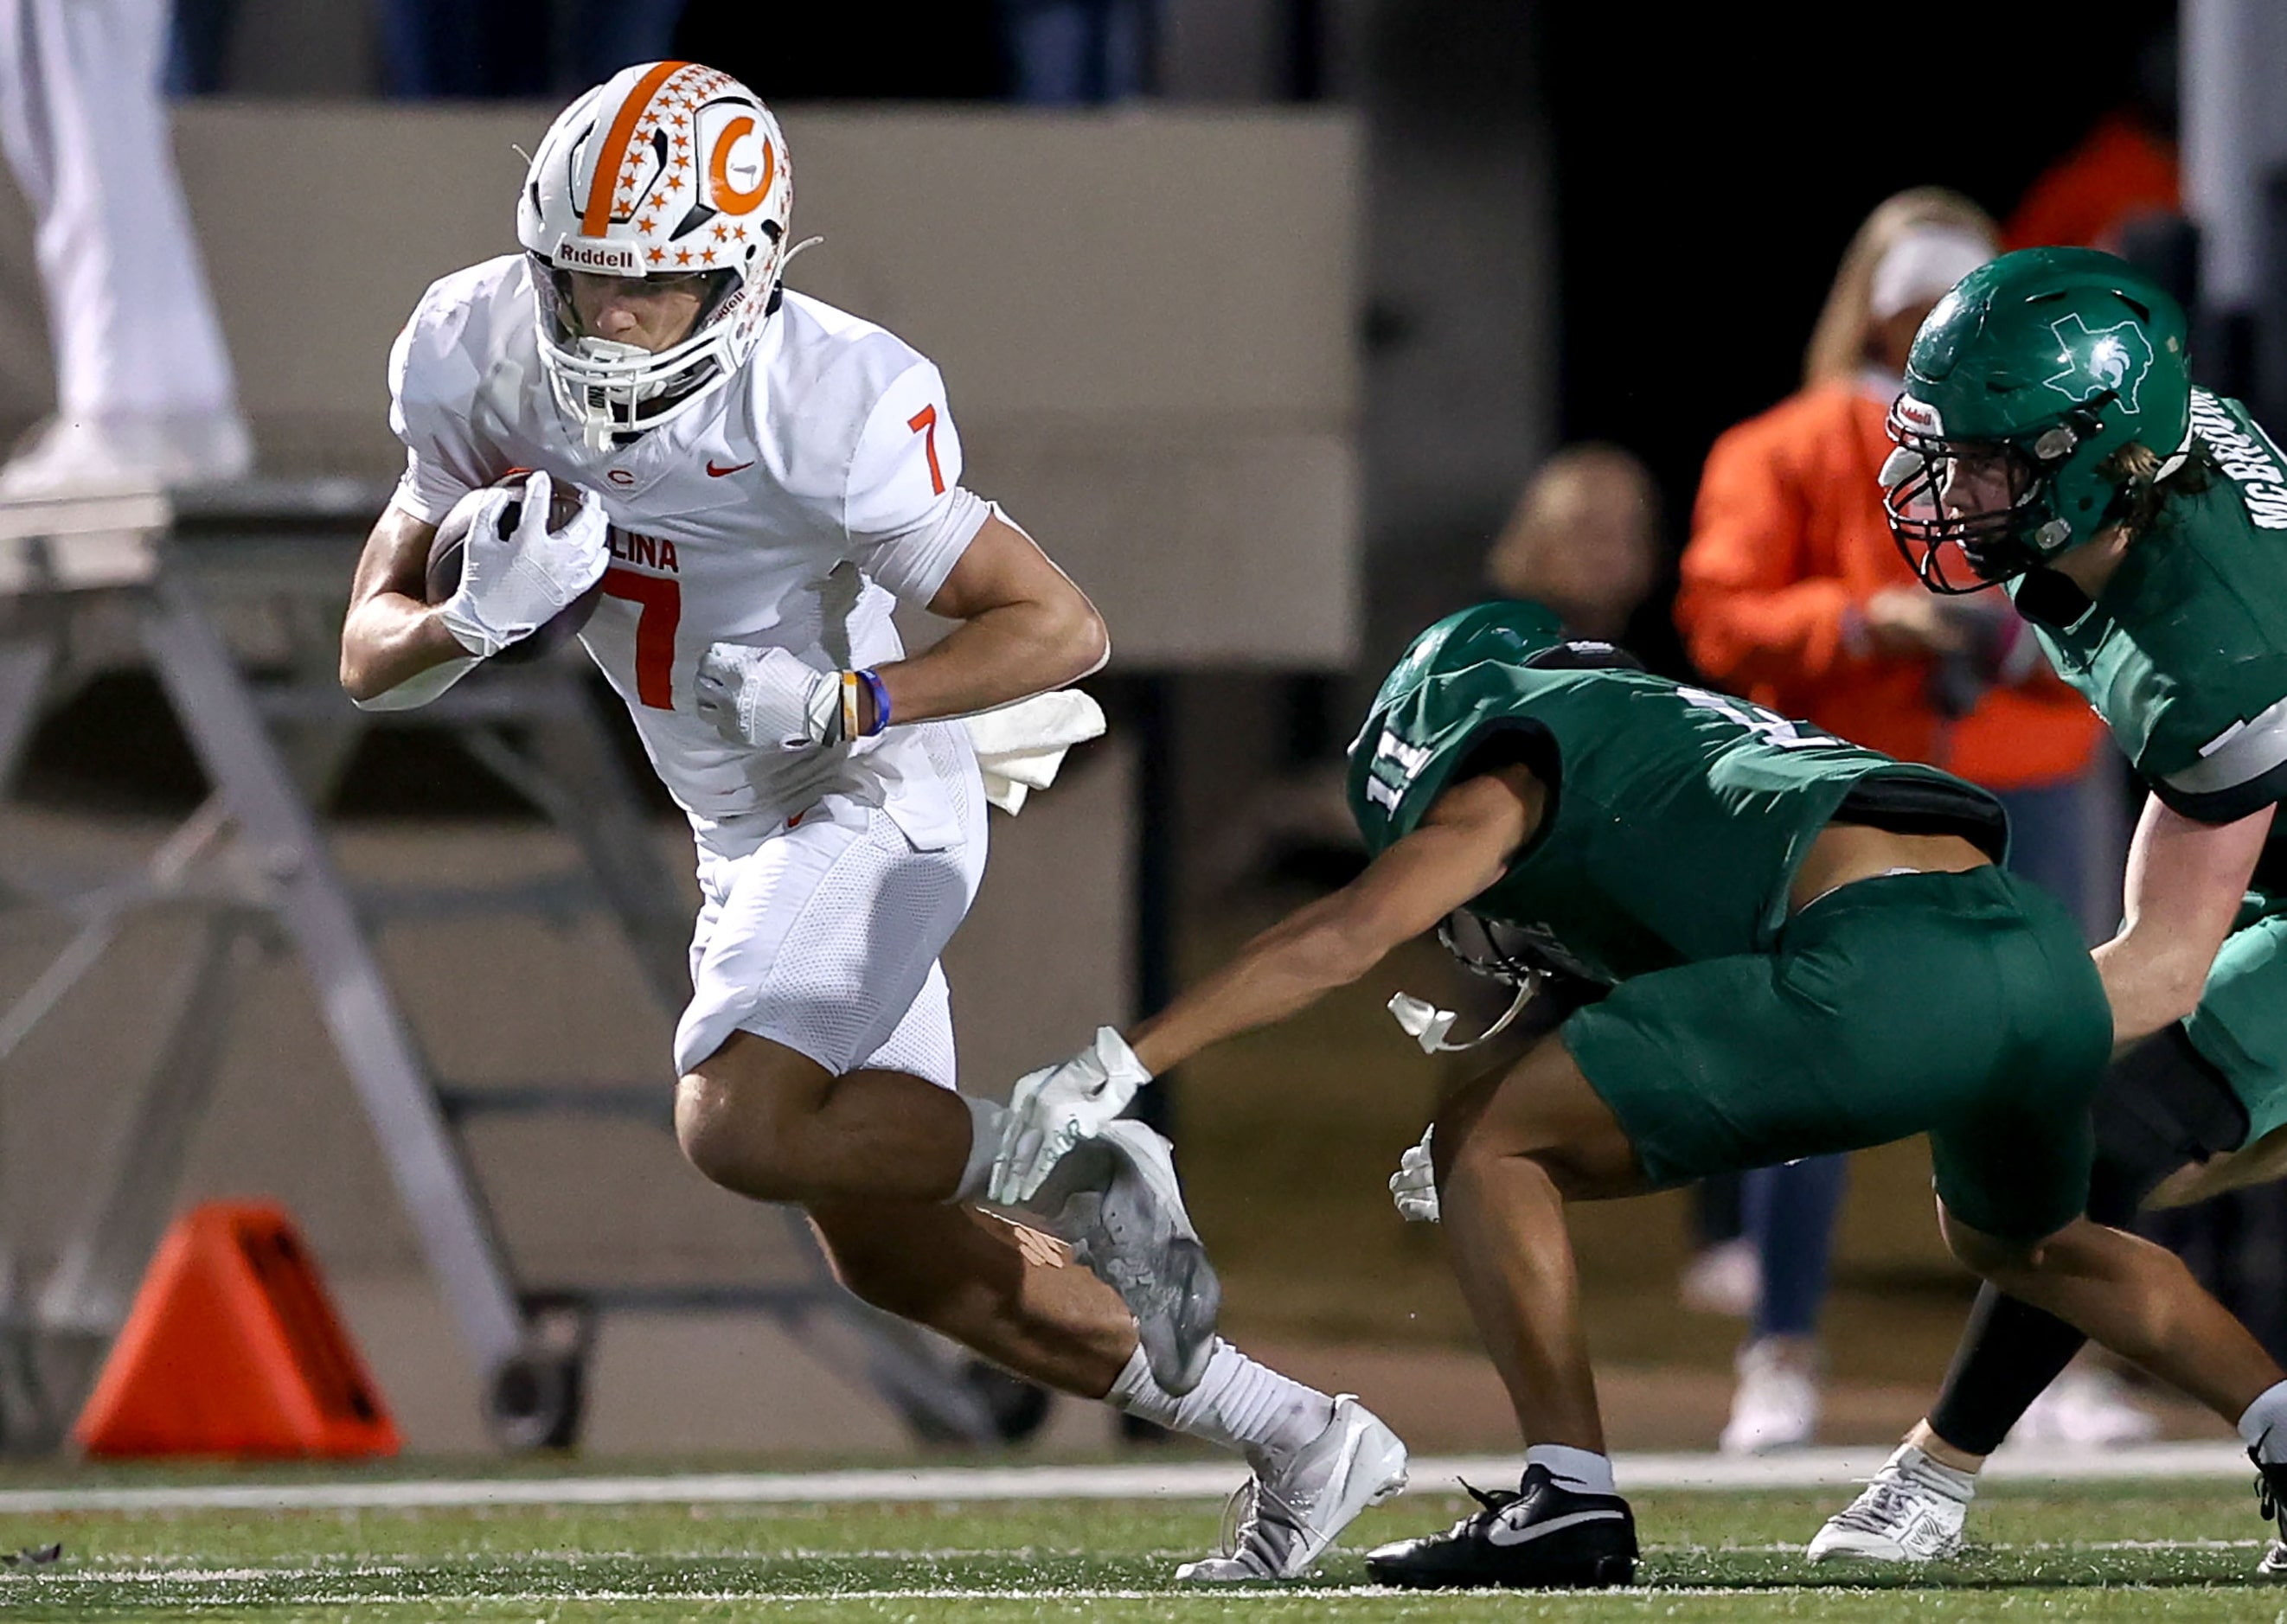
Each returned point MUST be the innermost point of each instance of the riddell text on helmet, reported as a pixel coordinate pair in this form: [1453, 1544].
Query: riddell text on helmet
[618, 258]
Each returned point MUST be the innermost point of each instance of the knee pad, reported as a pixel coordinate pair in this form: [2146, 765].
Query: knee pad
[2162, 1103]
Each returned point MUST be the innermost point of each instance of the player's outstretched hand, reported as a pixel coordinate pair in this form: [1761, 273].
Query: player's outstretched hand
[768, 698]
[1414, 1186]
[513, 585]
[1056, 1107]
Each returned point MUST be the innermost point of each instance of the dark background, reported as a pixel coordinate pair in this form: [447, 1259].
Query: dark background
[1712, 164]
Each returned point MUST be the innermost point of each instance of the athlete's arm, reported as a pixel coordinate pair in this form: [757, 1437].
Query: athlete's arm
[1463, 846]
[391, 634]
[2184, 885]
[1023, 628]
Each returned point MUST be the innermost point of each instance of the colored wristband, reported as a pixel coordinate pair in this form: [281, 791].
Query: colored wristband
[874, 686]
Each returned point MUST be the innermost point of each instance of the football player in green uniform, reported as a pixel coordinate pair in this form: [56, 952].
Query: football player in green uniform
[2050, 440]
[1810, 947]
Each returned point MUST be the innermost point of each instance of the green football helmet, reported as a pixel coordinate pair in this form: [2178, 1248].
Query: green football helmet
[2021, 387]
[1513, 631]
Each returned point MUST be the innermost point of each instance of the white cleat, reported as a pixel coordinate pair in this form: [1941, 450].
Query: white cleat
[1775, 1404]
[1279, 1525]
[1116, 1202]
[2086, 1408]
[1910, 1512]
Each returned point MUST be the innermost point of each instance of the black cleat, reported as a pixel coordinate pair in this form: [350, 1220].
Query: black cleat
[2271, 1495]
[1543, 1536]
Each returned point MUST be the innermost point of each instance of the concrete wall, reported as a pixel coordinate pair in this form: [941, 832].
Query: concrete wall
[1146, 319]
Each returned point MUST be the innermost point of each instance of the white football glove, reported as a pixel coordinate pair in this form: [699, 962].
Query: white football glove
[1056, 1108]
[1414, 1186]
[513, 586]
[767, 697]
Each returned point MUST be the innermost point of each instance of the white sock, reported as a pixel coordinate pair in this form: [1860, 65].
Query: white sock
[1238, 1404]
[1584, 1471]
[1915, 1461]
[2265, 1424]
[984, 1119]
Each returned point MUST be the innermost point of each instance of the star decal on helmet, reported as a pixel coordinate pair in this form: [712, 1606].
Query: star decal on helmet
[2101, 359]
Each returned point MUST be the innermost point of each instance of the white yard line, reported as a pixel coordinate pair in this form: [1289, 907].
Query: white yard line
[97, 1571]
[964, 1592]
[1226, 1596]
[1174, 1480]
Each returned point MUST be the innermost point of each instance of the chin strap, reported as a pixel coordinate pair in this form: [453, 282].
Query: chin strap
[778, 287]
[1427, 1025]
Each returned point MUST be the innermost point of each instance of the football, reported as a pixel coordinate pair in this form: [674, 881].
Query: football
[445, 559]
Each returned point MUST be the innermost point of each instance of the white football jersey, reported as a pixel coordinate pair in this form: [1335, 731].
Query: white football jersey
[786, 509]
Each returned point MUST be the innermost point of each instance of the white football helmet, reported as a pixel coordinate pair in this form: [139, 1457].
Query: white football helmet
[666, 170]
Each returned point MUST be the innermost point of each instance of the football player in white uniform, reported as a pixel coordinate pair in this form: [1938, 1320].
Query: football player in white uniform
[762, 476]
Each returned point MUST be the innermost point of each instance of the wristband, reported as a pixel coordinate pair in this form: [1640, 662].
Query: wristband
[875, 687]
[850, 730]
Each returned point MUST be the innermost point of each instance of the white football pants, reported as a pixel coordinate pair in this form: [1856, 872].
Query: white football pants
[825, 936]
[84, 127]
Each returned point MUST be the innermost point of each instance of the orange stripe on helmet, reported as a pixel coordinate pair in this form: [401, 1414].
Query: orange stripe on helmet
[596, 219]
[728, 197]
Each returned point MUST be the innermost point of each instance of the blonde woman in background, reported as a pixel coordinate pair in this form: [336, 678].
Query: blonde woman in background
[1794, 594]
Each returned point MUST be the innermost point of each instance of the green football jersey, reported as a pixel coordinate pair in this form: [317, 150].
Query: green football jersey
[2184, 651]
[1676, 817]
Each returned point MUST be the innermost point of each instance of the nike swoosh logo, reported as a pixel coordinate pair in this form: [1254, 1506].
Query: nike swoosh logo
[713, 472]
[1509, 1534]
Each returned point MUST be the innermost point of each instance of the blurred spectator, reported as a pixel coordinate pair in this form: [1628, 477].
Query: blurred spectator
[469, 50]
[1075, 52]
[1794, 594]
[144, 392]
[2123, 169]
[459, 50]
[198, 50]
[1584, 540]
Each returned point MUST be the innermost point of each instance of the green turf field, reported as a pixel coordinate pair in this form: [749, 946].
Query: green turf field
[2168, 1552]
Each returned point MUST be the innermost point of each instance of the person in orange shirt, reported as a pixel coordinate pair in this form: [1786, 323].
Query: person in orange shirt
[1793, 594]
[2123, 170]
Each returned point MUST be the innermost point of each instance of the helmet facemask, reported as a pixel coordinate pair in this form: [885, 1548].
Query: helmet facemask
[1970, 513]
[610, 388]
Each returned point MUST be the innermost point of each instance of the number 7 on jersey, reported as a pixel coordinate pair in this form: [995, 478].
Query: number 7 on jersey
[923, 422]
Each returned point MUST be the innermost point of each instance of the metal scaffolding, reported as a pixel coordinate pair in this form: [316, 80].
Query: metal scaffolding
[253, 865]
